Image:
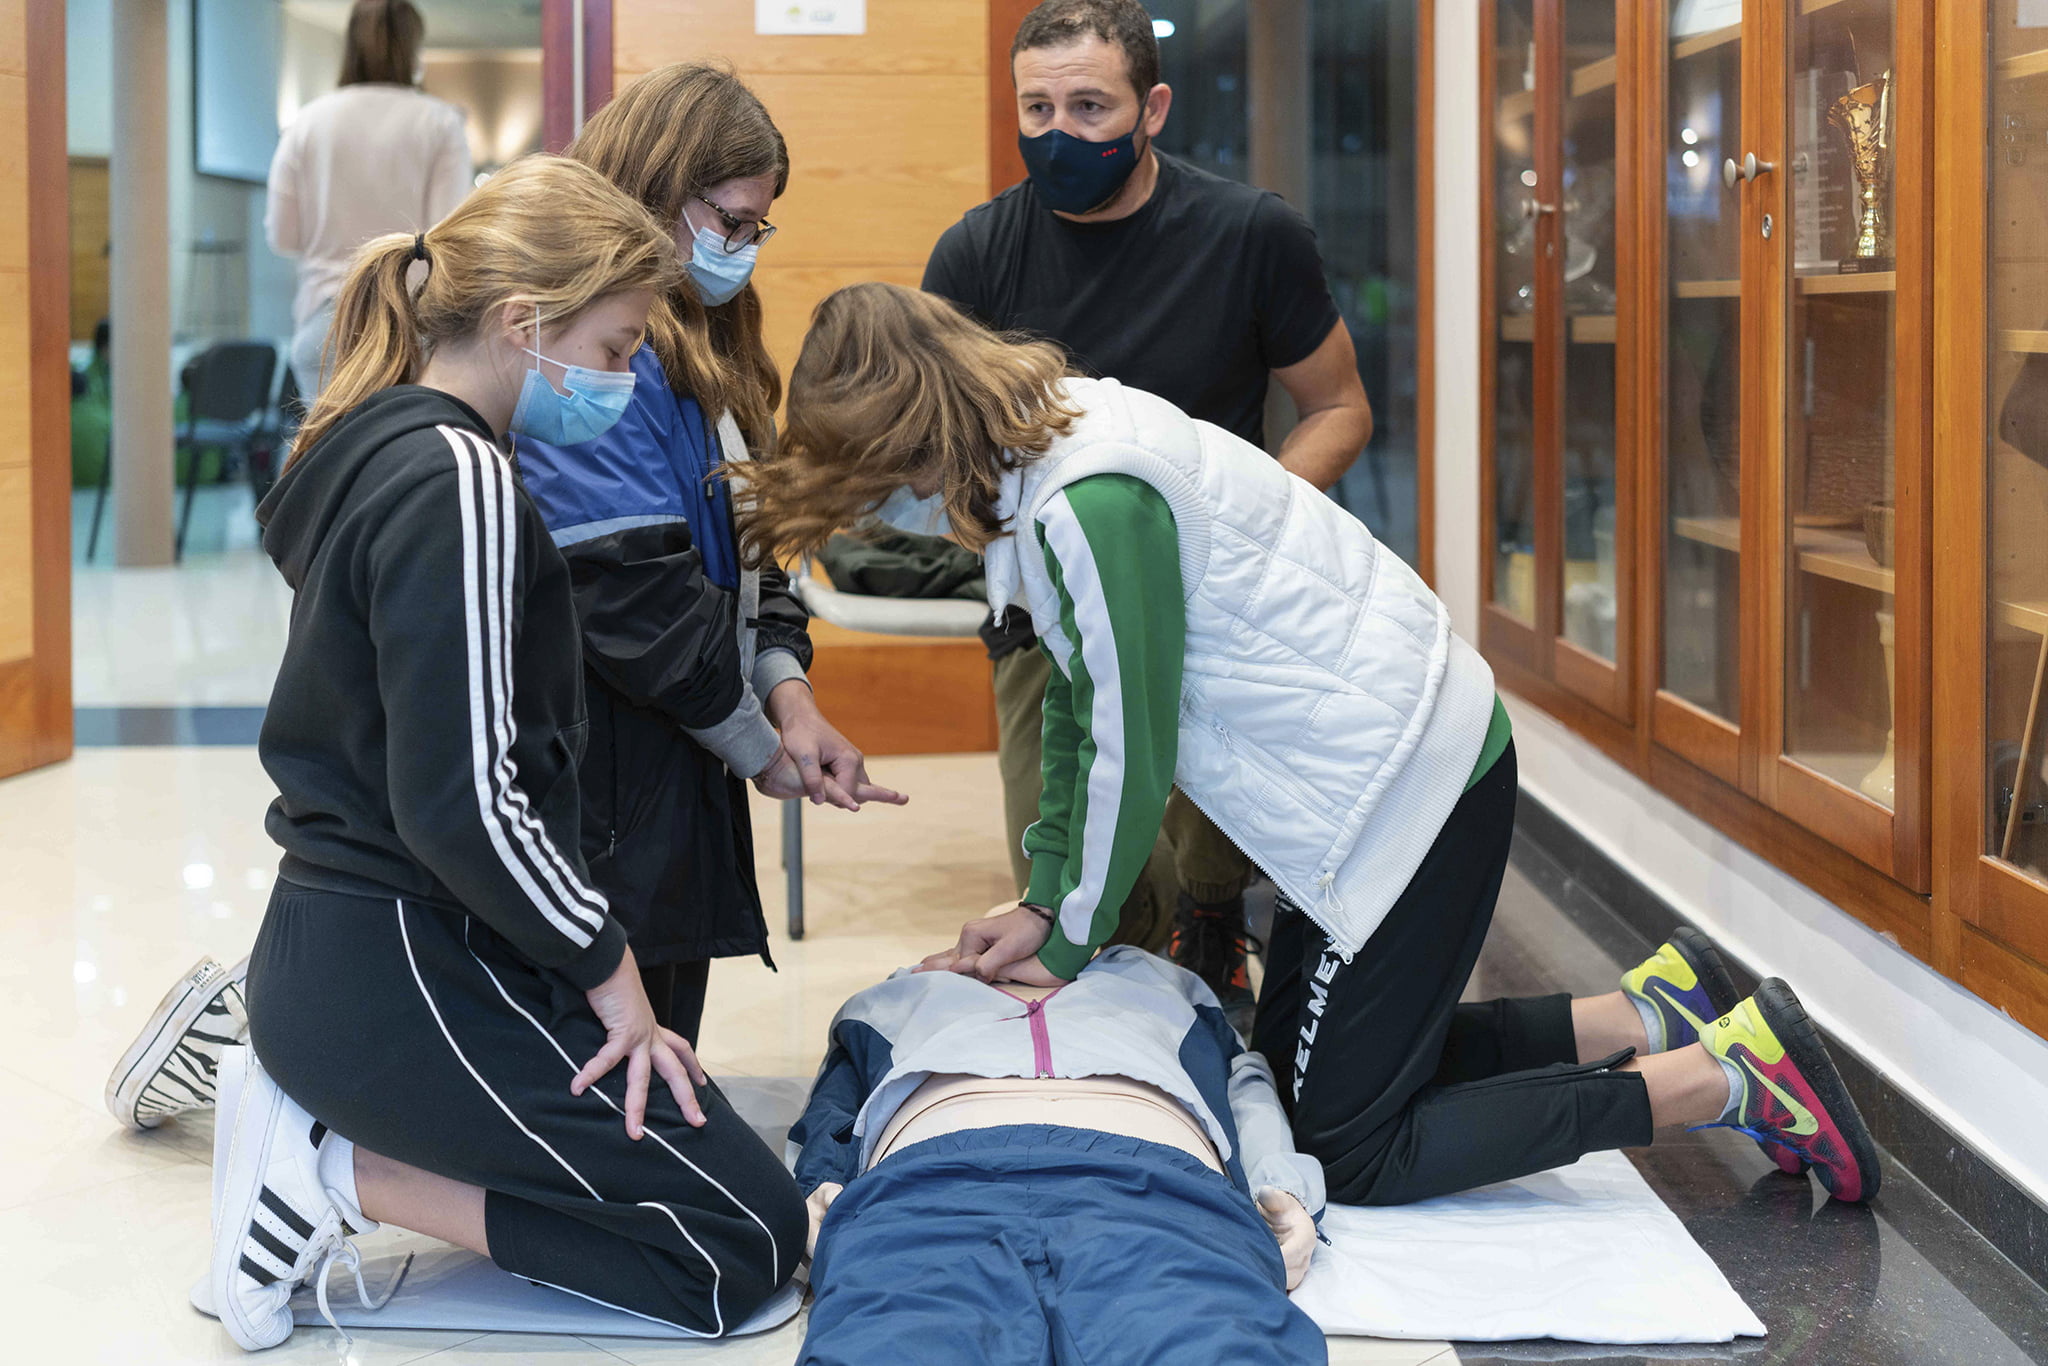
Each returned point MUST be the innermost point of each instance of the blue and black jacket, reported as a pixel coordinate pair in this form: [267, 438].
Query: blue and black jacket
[681, 646]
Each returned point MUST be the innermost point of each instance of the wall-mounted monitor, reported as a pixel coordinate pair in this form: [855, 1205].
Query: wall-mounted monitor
[235, 50]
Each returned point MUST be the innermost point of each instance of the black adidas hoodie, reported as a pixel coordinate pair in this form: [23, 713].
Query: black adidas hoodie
[425, 726]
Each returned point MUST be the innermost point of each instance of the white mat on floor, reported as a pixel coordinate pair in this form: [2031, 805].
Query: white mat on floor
[1587, 1253]
[449, 1287]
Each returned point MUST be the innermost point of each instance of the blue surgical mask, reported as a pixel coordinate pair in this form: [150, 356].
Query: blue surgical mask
[717, 273]
[596, 400]
[1073, 175]
[905, 511]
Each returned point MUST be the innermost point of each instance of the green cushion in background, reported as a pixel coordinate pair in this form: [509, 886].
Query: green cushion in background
[92, 419]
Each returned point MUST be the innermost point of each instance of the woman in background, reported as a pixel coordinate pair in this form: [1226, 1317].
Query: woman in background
[376, 156]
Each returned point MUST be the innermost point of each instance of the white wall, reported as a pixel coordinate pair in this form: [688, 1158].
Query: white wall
[1984, 1075]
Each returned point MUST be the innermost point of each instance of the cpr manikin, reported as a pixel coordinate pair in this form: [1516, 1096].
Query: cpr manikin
[1051, 1169]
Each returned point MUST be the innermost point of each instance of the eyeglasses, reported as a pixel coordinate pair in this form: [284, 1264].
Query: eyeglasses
[740, 233]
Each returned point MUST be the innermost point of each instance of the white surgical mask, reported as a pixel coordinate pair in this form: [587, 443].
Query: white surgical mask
[905, 511]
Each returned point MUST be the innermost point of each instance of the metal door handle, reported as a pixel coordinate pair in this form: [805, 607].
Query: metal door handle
[1750, 169]
[1530, 208]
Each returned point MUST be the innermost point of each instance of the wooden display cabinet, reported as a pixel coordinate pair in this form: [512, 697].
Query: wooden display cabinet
[1991, 496]
[1794, 262]
[1770, 390]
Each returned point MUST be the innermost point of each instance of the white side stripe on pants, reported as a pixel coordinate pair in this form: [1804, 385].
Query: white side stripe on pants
[774, 1252]
[717, 1309]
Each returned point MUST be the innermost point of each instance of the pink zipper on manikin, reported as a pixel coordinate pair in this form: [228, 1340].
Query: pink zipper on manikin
[1041, 1040]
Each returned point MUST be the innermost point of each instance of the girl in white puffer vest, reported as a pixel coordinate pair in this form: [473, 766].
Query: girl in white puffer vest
[1214, 622]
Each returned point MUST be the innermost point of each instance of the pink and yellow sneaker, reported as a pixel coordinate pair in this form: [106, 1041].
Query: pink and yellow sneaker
[1686, 986]
[1793, 1099]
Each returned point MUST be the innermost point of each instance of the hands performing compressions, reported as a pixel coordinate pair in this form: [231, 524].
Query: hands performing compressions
[1002, 946]
[815, 760]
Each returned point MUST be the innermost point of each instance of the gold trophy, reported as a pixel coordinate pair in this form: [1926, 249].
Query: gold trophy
[1865, 117]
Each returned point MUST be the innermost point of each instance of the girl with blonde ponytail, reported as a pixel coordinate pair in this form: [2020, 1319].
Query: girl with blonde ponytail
[439, 997]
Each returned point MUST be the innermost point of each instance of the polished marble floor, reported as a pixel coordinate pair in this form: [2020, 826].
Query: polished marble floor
[127, 863]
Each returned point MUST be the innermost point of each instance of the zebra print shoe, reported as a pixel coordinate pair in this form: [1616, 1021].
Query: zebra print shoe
[277, 1224]
[171, 1067]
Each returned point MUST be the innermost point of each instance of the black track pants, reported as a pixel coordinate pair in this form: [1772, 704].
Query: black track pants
[421, 1035]
[1401, 1092]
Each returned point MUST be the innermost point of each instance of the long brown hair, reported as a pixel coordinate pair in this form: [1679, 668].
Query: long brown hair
[383, 43]
[666, 138]
[544, 232]
[895, 387]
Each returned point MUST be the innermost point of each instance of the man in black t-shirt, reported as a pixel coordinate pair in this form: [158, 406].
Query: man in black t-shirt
[1195, 288]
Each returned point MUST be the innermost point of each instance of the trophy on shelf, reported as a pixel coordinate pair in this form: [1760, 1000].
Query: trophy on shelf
[1865, 117]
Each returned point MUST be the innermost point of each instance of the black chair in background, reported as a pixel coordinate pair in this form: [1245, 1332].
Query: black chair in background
[280, 426]
[227, 402]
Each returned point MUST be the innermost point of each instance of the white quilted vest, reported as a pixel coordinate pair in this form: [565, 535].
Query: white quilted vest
[1329, 717]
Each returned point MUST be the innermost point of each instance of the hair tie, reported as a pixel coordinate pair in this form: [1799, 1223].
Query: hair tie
[419, 248]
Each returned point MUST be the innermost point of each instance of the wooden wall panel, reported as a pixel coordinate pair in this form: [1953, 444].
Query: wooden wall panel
[1005, 161]
[904, 37]
[91, 284]
[14, 365]
[879, 165]
[17, 567]
[13, 172]
[35, 396]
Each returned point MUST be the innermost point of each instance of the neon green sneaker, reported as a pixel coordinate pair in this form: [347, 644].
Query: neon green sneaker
[1792, 1097]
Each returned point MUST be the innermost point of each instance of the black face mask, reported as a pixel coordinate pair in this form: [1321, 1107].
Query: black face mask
[1073, 175]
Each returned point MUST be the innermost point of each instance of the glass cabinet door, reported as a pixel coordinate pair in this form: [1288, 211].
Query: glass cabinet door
[1701, 616]
[1846, 658]
[1839, 471]
[1518, 204]
[2016, 457]
[1591, 300]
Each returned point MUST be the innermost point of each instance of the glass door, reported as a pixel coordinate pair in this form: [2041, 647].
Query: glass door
[1991, 704]
[1593, 628]
[1523, 208]
[1847, 479]
[1698, 709]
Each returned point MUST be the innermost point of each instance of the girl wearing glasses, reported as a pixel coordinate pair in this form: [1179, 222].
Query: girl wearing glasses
[694, 663]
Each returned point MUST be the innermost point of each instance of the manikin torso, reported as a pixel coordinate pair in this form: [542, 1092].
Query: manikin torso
[948, 1103]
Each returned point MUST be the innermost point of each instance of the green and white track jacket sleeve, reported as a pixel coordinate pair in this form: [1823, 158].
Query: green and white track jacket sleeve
[1112, 707]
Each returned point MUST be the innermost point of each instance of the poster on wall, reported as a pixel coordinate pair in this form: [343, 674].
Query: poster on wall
[810, 16]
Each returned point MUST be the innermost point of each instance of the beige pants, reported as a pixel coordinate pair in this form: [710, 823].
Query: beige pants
[1191, 854]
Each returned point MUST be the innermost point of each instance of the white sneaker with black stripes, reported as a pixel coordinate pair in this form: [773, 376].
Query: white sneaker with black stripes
[276, 1223]
[170, 1068]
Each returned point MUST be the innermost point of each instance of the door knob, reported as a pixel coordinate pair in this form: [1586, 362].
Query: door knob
[1750, 169]
[1530, 208]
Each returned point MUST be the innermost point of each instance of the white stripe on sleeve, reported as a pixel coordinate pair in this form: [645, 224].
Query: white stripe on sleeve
[493, 774]
[1104, 722]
